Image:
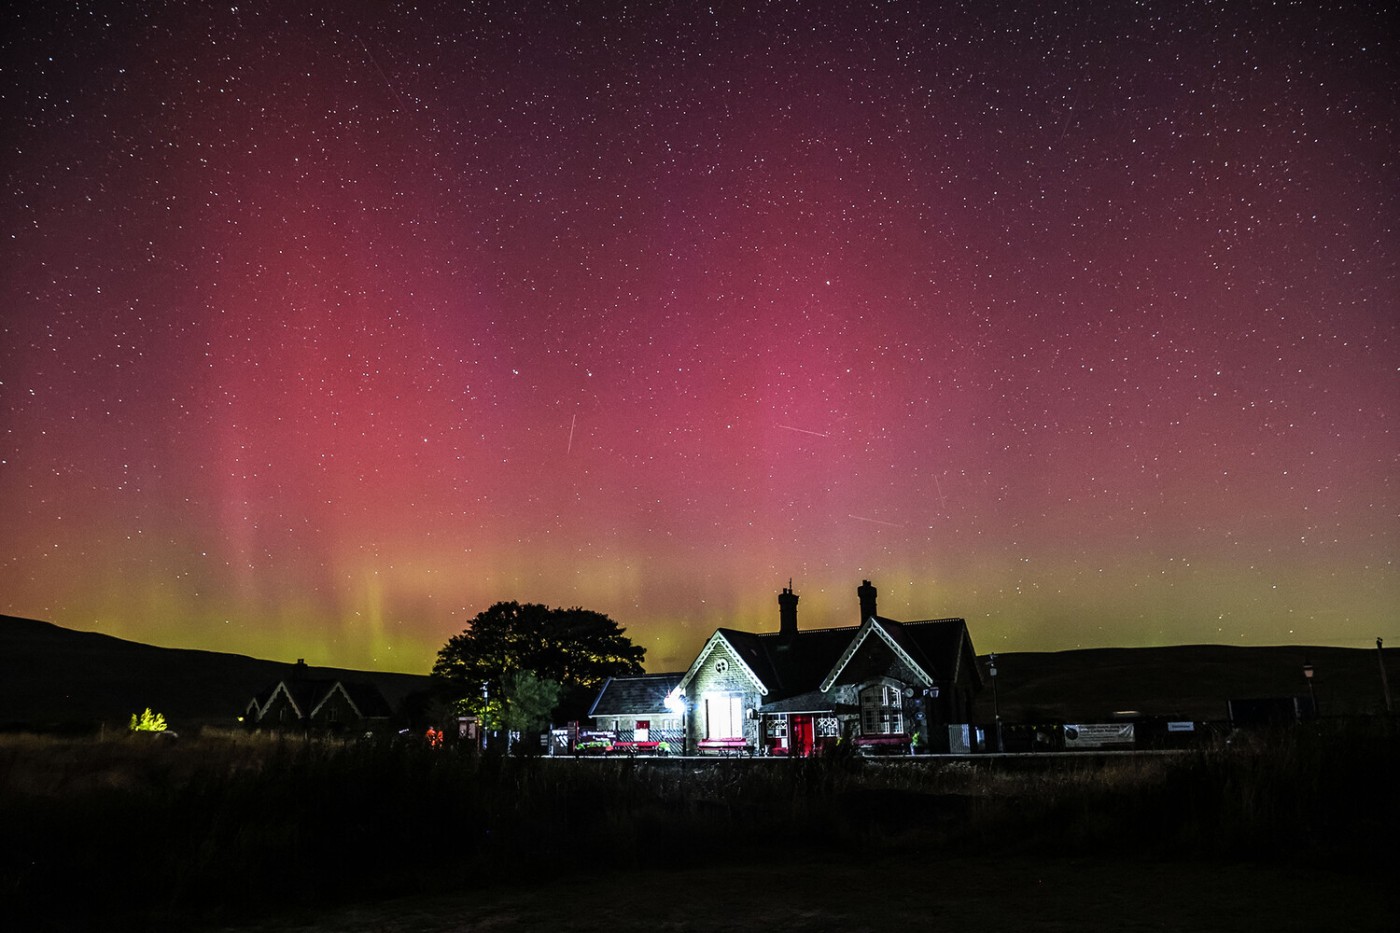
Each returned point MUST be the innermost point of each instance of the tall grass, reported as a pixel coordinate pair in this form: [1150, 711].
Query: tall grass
[226, 826]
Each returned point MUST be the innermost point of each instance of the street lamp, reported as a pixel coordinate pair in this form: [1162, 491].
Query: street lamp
[675, 702]
[1312, 696]
[996, 704]
[1385, 682]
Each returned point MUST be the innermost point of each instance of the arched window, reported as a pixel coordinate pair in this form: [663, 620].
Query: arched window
[881, 710]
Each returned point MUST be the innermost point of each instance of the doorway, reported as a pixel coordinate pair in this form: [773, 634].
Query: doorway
[803, 737]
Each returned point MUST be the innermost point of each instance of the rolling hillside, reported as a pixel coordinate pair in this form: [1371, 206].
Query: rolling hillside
[1192, 681]
[52, 676]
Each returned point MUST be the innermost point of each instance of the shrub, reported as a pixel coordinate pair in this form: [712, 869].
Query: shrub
[148, 722]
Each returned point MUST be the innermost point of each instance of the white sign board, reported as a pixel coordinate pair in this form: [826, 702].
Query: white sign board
[1100, 735]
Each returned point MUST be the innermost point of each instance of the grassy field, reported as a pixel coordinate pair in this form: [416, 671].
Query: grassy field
[235, 831]
[821, 895]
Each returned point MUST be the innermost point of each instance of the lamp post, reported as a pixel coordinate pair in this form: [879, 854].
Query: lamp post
[926, 715]
[1312, 696]
[996, 703]
[1385, 682]
[676, 703]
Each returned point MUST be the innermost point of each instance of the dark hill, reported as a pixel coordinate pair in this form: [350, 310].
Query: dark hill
[1193, 681]
[51, 675]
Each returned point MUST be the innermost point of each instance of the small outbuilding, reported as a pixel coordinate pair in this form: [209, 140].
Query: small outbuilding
[634, 712]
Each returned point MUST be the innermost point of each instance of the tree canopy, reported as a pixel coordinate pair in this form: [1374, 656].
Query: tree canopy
[529, 701]
[576, 648]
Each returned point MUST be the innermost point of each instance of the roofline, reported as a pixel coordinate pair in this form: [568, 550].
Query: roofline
[601, 690]
[705, 653]
[280, 688]
[873, 624]
[343, 692]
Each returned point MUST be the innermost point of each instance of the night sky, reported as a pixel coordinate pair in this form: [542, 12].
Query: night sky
[324, 327]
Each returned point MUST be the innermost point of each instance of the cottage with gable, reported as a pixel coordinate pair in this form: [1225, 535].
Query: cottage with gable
[882, 685]
[302, 701]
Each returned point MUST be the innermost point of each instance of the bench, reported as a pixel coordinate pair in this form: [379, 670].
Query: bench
[735, 746]
[633, 748]
[897, 743]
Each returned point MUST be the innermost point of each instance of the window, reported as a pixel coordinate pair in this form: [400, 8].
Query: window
[643, 729]
[881, 710]
[724, 717]
[778, 726]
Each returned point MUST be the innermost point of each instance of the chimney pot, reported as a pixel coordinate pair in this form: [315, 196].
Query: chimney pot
[866, 593]
[787, 614]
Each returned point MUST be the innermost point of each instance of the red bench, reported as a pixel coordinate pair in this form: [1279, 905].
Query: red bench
[896, 743]
[633, 748]
[735, 746]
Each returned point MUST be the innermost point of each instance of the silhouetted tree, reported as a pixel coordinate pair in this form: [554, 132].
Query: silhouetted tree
[576, 648]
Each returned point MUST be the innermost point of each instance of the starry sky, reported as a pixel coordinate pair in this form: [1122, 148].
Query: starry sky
[325, 326]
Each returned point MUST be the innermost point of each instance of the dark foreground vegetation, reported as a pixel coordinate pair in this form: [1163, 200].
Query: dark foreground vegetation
[145, 833]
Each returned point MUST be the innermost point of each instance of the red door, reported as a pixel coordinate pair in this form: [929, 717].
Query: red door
[802, 739]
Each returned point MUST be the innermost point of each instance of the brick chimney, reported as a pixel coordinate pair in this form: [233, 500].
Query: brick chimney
[787, 614]
[866, 592]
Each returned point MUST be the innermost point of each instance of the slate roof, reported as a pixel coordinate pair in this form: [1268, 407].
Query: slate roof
[788, 668]
[792, 668]
[634, 696]
[309, 693]
[942, 647]
[303, 693]
[813, 701]
[367, 699]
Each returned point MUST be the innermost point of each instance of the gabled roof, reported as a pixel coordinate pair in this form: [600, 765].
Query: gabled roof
[933, 648]
[742, 651]
[302, 694]
[634, 696]
[789, 666]
[945, 646]
[890, 633]
[365, 700]
[307, 695]
[787, 669]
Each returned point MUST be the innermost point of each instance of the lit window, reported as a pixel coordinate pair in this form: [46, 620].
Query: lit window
[724, 717]
[881, 710]
[778, 726]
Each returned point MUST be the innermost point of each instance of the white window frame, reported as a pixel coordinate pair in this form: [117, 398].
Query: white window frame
[882, 710]
[724, 716]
